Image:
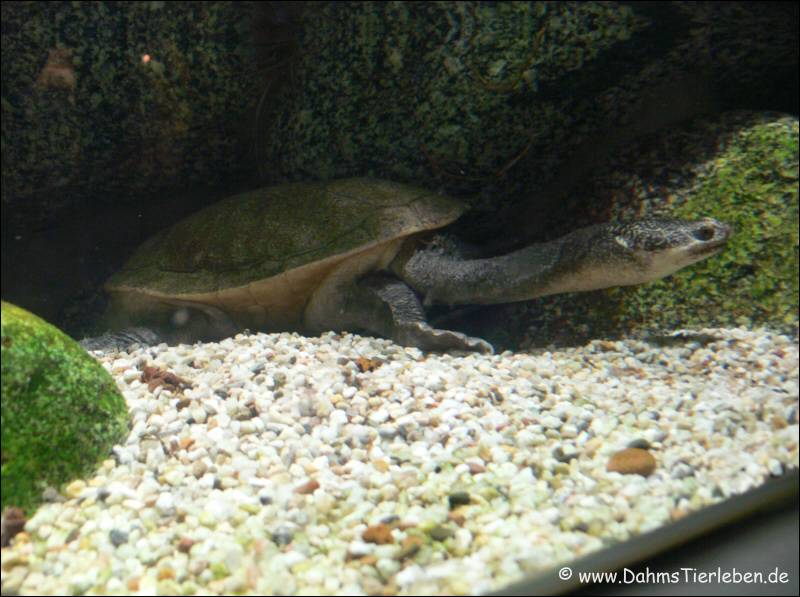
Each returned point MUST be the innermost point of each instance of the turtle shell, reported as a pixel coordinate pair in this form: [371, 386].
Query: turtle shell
[259, 256]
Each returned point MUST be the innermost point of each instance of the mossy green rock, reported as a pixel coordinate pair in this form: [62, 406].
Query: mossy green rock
[61, 411]
[495, 101]
[84, 111]
[403, 90]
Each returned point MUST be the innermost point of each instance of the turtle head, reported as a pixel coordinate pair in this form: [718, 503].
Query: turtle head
[660, 246]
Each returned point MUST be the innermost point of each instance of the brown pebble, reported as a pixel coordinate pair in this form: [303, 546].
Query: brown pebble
[378, 533]
[778, 423]
[306, 488]
[457, 518]
[677, 513]
[13, 521]
[185, 545]
[166, 573]
[365, 365]
[632, 461]
[475, 468]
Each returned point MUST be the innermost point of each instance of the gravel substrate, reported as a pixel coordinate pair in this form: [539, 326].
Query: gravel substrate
[278, 464]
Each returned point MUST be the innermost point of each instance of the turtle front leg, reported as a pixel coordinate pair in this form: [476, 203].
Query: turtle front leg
[385, 305]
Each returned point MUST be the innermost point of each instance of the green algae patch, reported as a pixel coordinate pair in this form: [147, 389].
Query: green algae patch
[753, 186]
[61, 411]
[410, 90]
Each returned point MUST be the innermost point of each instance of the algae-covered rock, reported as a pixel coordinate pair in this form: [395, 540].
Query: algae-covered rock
[121, 100]
[494, 102]
[61, 411]
[738, 167]
[406, 90]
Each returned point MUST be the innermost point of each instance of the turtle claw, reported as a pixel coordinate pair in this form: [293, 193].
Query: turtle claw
[122, 340]
[429, 338]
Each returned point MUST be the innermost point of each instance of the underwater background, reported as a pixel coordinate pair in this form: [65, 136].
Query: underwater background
[283, 464]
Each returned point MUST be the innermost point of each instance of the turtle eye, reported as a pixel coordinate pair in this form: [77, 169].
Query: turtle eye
[704, 233]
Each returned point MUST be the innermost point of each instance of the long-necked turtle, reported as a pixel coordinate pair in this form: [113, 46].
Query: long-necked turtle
[351, 255]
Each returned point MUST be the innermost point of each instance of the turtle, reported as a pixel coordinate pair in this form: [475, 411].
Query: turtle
[357, 255]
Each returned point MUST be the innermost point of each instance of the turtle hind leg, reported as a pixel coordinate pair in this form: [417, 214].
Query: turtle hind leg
[184, 323]
[386, 305]
[122, 339]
